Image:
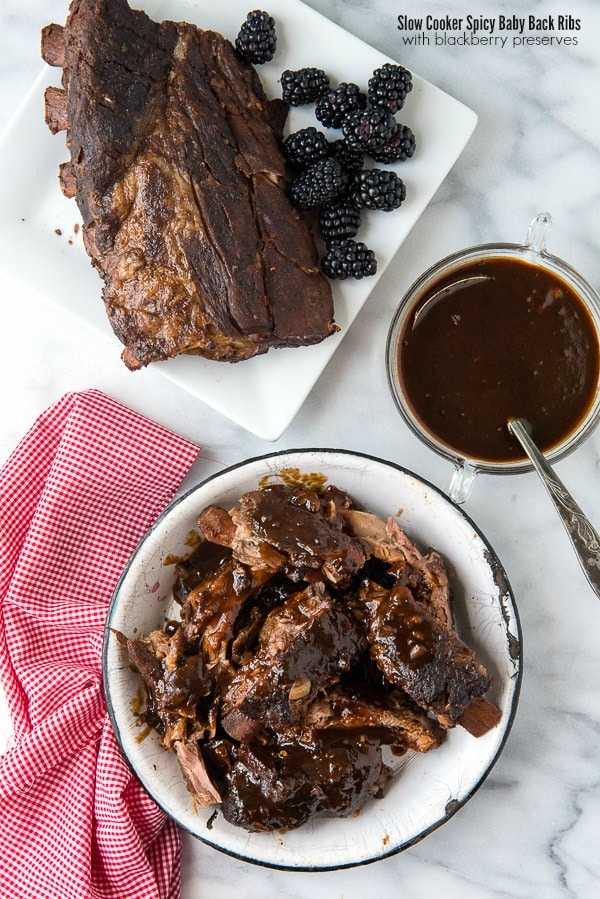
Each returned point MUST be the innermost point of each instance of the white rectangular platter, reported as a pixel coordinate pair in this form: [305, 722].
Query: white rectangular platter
[41, 245]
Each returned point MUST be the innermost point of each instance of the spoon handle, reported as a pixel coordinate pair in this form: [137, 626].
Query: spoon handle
[583, 536]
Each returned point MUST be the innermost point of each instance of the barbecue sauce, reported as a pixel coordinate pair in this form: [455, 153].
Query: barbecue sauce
[206, 559]
[334, 777]
[494, 339]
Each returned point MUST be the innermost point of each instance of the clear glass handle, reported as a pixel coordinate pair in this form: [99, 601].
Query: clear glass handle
[537, 235]
[461, 482]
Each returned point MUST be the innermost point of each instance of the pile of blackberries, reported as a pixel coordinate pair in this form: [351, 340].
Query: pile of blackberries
[332, 176]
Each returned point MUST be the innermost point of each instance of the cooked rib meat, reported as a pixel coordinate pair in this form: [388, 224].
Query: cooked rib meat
[433, 588]
[312, 635]
[176, 168]
[174, 683]
[425, 574]
[201, 564]
[273, 790]
[217, 526]
[53, 45]
[212, 607]
[195, 774]
[280, 529]
[373, 533]
[304, 645]
[428, 575]
[419, 654]
[252, 617]
[227, 529]
[391, 717]
[56, 109]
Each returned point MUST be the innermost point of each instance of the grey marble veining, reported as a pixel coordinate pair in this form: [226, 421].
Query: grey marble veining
[531, 831]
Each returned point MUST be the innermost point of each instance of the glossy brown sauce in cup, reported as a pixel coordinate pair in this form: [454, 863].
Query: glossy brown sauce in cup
[498, 338]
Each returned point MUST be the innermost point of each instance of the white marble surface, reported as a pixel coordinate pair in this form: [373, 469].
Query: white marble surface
[531, 830]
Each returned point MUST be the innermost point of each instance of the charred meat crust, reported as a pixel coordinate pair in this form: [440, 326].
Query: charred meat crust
[304, 646]
[419, 654]
[177, 170]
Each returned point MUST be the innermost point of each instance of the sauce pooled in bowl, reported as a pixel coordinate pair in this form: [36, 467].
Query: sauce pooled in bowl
[496, 338]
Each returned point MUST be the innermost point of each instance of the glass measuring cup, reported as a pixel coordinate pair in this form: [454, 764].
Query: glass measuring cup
[533, 251]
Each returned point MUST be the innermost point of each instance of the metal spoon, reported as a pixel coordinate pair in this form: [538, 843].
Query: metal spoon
[583, 536]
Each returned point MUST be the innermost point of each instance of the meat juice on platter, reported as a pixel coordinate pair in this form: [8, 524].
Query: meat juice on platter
[493, 339]
[312, 636]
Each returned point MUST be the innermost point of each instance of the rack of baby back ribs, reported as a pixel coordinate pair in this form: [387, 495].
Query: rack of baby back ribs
[312, 635]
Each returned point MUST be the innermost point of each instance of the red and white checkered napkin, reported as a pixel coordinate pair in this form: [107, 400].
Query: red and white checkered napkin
[75, 497]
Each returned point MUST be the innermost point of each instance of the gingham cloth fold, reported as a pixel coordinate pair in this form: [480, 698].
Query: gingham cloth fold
[75, 497]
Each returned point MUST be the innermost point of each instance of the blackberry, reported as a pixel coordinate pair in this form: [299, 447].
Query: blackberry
[320, 183]
[399, 147]
[339, 220]
[369, 129]
[351, 160]
[389, 86]
[301, 86]
[257, 41]
[348, 259]
[305, 146]
[332, 107]
[378, 189]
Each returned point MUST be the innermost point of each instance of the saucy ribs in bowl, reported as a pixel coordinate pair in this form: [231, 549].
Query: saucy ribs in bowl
[312, 659]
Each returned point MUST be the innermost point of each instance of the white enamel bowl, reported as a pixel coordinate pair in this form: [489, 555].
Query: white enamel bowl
[430, 787]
